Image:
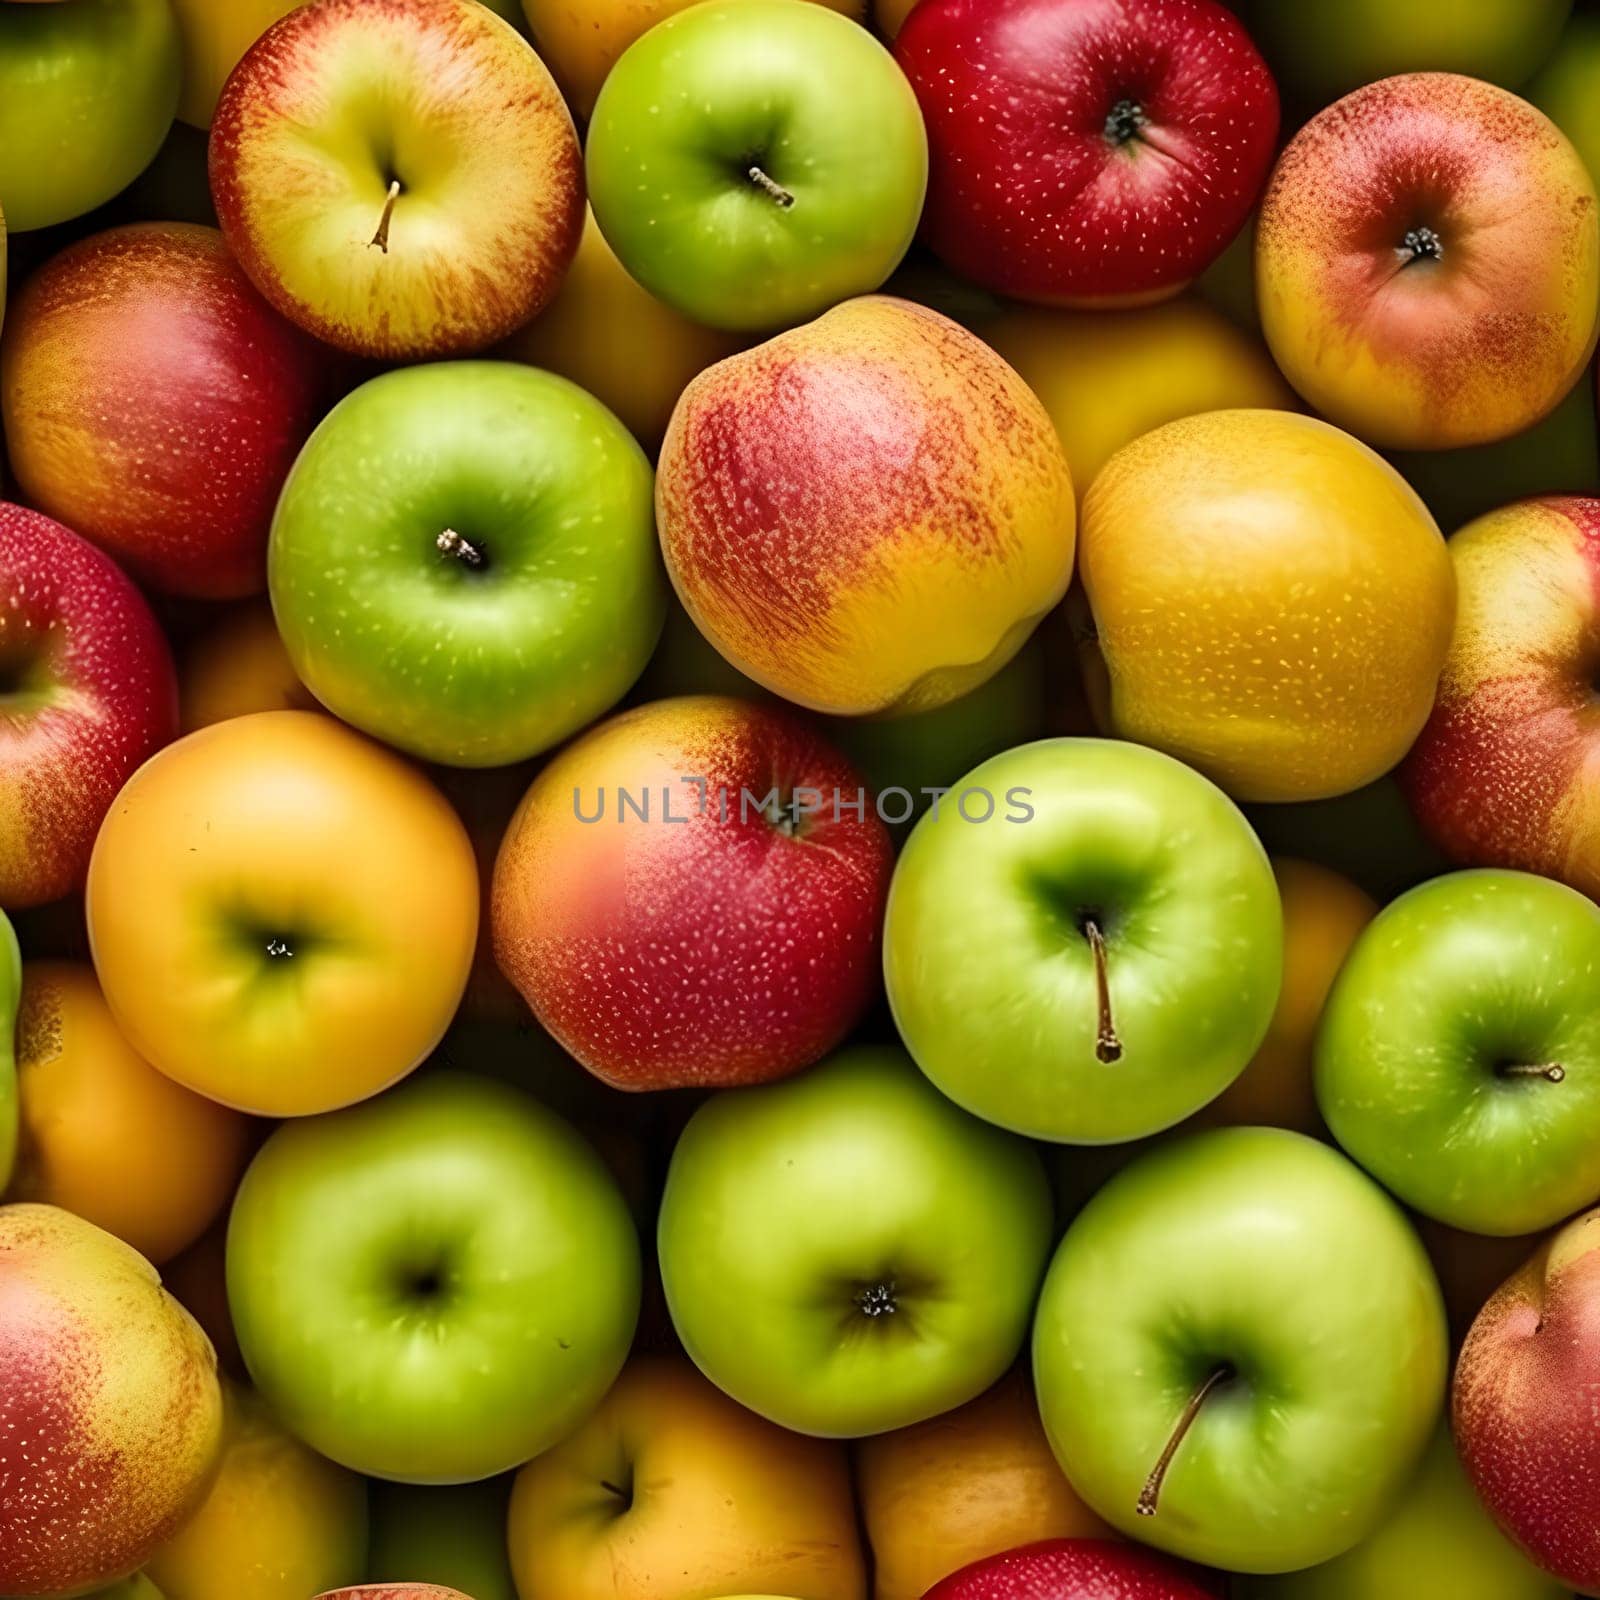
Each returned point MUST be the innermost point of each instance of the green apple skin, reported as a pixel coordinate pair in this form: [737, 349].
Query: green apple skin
[1268, 1255]
[1440, 1544]
[10, 998]
[800, 92]
[1449, 996]
[88, 89]
[991, 973]
[455, 1537]
[484, 664]
[846, 1252]
[435, 1285]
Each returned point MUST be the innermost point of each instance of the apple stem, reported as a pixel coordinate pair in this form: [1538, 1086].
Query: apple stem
[450, 543]
[1107, 1046]
[769, 186]
[1550, 1071]
[381, 237]
[1151, 1493]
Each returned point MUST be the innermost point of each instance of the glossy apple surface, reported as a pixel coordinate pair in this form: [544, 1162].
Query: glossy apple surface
[1087, 154]
[724, 161]
[454, 1535]
[1071, 1569]
[1085, 943]
[1240, 1351]
[402, 179]
[848, 1252]
[463, 561]
[87, 692]
[154, 403]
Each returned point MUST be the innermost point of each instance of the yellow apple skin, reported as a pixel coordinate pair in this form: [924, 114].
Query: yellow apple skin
[1105, 380]
[1272, 602]
[215, 38]
[613, 337]
[280, 1523]
[714, 1500]
[239, 666]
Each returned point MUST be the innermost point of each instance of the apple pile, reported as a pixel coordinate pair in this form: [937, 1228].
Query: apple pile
[799, 800]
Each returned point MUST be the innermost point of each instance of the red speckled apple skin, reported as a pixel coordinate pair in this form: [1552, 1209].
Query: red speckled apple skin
[1072, 1569]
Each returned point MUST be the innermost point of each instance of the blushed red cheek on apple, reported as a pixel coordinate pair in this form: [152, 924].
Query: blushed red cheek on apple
[1073, 1569]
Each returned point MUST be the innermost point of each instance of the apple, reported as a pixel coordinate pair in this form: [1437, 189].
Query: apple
[197, 1280]
[435, 1286]
[1501, 774]
[10, 1003]
[399, 177]
[463, 561]
[279, 1522]
[870, 513]
[455, 1535]
[1428, 263]
[1439, 1544]
[88, 89]
[110, 1412]
[1085, 943]
[1240, 1351]
[154, 403]
[138, 1587]
[670, 1491]
[87, 690]
[1459, 1055]
[214, 40]
[104, 1135]
[973, 1483]
[1273, 697]
[396, 1591]
[725, 161]
[1522, 1406]
[1564, 87]
[1071, 1569]
[847, 1252]
[1087, 154]
[235, 665]
[259, 922]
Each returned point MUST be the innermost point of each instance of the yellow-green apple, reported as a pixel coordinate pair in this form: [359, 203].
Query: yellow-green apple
[279, 1522]
[236, 665]
[670, 1491]
[463, 561]
[110, 1410]
[866, 514]
[1523, 1405]
[724, 161]
[454, 1535]
[1240, 1351]
[87, 691]
[1500, 774]
[1072, 1569]
[259, 922]
[434, 1286]
[1084, 943]
[1428, 262]
[154, 402]
[214, 40]
[848, 1252]
[10, 1002]
[1438, 1544]
[972, 1483]
[88, 89]
[1312, 665]
[1087, 154]
[691, 894]
[400, 177]
[1458, 1058]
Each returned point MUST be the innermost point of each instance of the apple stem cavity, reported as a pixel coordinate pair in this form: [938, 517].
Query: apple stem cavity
[1150, 1495]
[1550, 1071]
[381, 237]
[769, 186]
[1123, 122]
[450, 543]
[1107, 1046]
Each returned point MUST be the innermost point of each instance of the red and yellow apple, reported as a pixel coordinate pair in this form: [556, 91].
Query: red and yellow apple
[236, 666]
[869, 513]
[1428, 262]
[395, 1591]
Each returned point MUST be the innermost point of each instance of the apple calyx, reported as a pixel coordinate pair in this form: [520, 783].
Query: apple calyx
[1420, 244]
[1107, 1046]
[1150, 1494]
[381, 237]
[877, 1300]
[769, 186]
[1550, 1071]
[1124, 121]
[278, 948]
[450, 543]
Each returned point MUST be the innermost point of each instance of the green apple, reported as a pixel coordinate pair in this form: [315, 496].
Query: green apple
[434, 1285]
[753, 162]
[1458, 1057]
[1567, 88]
[1095, 958]
[10, 999]
[455, 1537]
[464, 561]
[1440, 1544]
[847, 1252]
[1240, 1351]
[88, 89]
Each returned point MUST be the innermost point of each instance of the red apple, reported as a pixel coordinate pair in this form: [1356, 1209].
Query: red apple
[87, 691]
[395, 1591]
[155, 402]
[1087, 152]
[1506, 771]
[729, 936]
[1523, 1405]
[1071, 1569]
